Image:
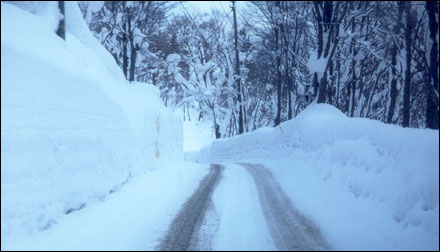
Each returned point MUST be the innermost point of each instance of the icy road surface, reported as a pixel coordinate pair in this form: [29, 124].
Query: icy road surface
[241, 207]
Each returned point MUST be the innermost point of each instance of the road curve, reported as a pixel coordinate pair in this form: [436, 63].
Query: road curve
[188, 220]
[289, 229]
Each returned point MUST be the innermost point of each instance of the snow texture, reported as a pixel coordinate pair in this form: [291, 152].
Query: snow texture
[72, 128]
[369, 185]
[316, 65]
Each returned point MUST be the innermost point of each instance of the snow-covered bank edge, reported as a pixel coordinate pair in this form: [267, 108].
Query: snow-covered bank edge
[133, 218]
[369, 185]
[73, 130]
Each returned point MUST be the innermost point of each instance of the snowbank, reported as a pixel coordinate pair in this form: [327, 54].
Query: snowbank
[72, 128]
[134, 218]
[196, 134]
[369, 185]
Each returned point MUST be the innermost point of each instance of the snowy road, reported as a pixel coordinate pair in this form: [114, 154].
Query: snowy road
[289, 229]
[188, 220]
[258, 215]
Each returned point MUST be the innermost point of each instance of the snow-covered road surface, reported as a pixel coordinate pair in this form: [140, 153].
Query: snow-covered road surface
[289, 229]
[247, 210]
[187, 222]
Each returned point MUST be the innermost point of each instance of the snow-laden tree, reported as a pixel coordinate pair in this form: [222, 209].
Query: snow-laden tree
[370, 59]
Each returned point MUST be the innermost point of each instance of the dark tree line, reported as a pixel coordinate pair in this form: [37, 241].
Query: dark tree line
[244, 68]
[369, 59]
[61, 30]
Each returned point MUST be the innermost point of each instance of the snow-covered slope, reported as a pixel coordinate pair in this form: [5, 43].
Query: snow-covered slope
[369, 185]
[72, 128]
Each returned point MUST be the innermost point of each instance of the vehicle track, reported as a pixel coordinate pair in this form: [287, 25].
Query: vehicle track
[184, 227]
[289, 229]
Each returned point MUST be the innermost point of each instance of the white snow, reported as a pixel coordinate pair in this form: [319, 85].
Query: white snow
[138, 37]
[316, 65]
[197, 134]
[46, 10]
[173, 58]
[241, 223]
[369, 185]
[72, 130]
[92, 162]
[133, 218]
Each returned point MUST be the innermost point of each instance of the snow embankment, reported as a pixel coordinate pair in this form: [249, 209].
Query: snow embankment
[369, 185]
[135, 218]
[72, 128]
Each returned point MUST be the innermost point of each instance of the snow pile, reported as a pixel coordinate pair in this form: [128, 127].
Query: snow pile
[134, 218]
[72, 128]
[369, 185]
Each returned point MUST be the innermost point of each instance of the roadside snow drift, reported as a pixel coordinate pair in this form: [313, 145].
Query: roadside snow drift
[72, 128]
[369, 185]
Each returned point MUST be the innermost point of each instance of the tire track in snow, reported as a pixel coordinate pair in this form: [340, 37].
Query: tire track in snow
[187, 222]
[289, 229]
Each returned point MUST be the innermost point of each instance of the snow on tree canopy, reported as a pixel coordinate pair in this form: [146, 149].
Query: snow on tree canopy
[138, 36]
[92, 7]
[173, 58]
[316, 65]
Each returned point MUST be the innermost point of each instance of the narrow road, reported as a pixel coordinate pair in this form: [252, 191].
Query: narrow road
[289, 229]
[188, 220]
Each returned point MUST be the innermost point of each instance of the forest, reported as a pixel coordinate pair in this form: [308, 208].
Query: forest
[264, 63]
[219, 126]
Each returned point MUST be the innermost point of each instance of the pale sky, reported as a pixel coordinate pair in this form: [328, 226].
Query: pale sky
[206, 6]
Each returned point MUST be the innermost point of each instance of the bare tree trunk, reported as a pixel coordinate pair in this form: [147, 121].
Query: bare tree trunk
[319, 19]
[326, 18]
[407, 87]
[432, 100]
[354, 53]
[246, 126]
[124, 44]
[61, 31]
[326, 32]
[187, 110]
[237, 73]
[393, 88]
[133, 49]
[278, 117]
[287, 78]
[338, 82]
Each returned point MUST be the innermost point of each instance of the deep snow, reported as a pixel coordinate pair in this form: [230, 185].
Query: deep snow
[237, 214]
[76, 136]
[134, 217]
[369, 185]
[196, 135]
[73, 130]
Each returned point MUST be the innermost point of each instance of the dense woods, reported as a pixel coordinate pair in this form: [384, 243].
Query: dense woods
[264, 63]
